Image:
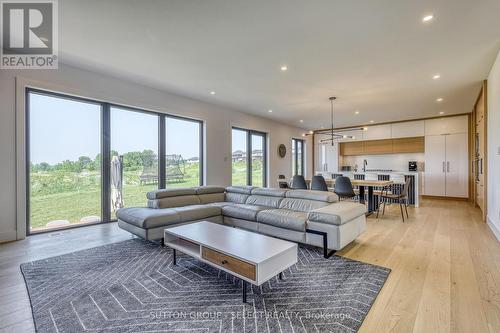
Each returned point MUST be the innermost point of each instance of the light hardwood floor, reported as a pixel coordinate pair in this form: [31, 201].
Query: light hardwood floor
[445, 269]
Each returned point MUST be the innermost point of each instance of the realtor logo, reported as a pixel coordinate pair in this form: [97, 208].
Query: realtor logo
[29, 34]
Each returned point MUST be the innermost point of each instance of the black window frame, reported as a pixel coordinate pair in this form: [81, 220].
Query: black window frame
[249, 134]
[105, 139]
[295, 156]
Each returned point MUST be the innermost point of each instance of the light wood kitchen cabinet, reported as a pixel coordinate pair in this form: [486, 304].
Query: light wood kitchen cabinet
[409, 145]
[374, 147]
[352, 148]
[387, 146]
[446, 165]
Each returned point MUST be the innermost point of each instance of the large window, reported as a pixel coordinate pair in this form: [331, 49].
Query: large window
[64, 157]
[134, 157]
[88, 158]
[298, 157]
[183, 152]
[249, 157]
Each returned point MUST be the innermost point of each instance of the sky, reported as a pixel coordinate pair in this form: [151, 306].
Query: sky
[239, 141]
[62, 129]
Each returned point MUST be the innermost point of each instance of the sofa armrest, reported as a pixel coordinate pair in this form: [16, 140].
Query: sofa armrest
[337, 213]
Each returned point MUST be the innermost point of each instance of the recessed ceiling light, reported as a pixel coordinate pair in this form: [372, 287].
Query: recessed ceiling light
[357, 112]
[440, 99]
[303, 134]
[372, 121]
[301, 120]
[427, 18]
[270, 111]
[212, 93]
[284, 68]
[436, 76]
[442, 112]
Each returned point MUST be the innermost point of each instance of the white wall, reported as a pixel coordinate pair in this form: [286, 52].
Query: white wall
[494, 147]
[218, 122]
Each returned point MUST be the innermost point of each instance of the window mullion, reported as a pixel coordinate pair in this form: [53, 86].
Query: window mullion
[105, 162]
[162, 144]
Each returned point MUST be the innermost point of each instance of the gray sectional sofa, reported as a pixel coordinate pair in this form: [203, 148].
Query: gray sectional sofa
[311, 217]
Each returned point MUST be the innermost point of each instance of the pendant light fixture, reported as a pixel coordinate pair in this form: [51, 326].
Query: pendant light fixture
[332, 132]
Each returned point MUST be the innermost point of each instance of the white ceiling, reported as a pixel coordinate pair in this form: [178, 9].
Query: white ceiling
[376, 56]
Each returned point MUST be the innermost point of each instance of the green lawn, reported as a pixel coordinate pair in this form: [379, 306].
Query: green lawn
[64, 195]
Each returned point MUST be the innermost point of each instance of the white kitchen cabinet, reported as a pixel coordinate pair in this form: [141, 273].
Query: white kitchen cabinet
[327, 157]
[446, 165]
[457, 183]
[408, 129]
[447, 125]
[377, 132]
[435, 172]
[357, 134]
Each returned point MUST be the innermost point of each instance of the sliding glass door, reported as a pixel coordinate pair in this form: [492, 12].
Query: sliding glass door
[298, 157]
[86, 159]
[239, 157]
[183, 152]
[134, 157]
[249, 157]
[258, 166]
[64, 171]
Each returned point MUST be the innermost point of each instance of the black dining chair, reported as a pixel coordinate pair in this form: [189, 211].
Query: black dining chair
[298, 183]
[318, 183]
[282, 183]
[343, 188]
[401, 198]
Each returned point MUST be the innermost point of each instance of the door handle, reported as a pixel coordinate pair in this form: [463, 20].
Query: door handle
[448, 166]
[444, 170]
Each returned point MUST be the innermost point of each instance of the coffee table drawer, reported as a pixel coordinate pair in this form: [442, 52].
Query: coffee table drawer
[234, 265]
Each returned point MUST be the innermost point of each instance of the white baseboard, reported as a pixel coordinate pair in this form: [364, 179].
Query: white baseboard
[7, 236]
[494, 228]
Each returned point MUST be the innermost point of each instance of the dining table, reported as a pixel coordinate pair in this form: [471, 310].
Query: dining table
[364, 187]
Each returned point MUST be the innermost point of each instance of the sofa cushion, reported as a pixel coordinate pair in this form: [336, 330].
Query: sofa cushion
[208, 189]
[337, 213]
[170, 192]
[236, 197]
[271, 192]
[301, 205]
[242, 211]
[313, 195]
[148, 218]
[197, 212]
[171, 202]
[264, 200]
[211, 197]
[283, 218]
[240, 189]
[221, 204]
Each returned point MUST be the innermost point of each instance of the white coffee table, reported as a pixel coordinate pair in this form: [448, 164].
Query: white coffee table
[252, 257]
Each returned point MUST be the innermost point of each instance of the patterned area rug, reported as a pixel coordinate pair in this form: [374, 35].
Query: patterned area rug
[132, 286]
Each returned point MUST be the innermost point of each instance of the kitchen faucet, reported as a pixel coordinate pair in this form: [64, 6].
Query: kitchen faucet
[365, 163]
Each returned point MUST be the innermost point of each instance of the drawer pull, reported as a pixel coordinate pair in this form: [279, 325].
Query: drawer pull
[224, 262]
